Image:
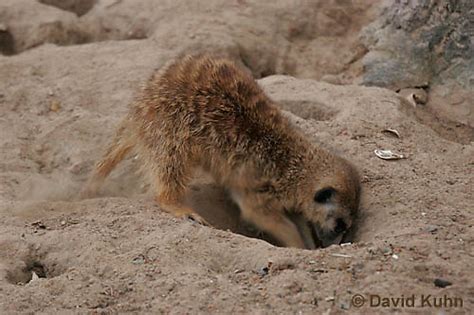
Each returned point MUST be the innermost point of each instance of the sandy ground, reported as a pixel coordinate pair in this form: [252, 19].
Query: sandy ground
[120, 253]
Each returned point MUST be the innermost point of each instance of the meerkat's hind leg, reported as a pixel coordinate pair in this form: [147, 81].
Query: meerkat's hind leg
[171, 201]
[175, 207]
[115, 153]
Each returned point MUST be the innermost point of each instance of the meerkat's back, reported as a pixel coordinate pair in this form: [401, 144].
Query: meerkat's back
[198, 111]
[206, 109]
[211, 99]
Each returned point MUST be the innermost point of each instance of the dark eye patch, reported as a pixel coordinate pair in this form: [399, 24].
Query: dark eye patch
[341, 226]
[323, 195]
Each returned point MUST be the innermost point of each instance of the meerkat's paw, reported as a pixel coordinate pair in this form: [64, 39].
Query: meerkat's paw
[196, 218]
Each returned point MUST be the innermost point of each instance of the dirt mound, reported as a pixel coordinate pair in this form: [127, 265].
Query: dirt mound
[308, 39]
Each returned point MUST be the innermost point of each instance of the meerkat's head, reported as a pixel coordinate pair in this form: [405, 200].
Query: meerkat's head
[330, 204]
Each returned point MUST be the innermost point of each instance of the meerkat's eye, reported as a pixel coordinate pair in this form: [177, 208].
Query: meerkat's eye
[323, 195]
[341, 226]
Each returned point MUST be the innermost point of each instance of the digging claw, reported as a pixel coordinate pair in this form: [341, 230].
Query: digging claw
[197, 218]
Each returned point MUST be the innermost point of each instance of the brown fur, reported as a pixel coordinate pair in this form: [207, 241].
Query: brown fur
[204, 112]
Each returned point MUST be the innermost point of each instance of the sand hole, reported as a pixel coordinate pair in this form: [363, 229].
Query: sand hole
[215, 205]
[24, 275]
[7, 43]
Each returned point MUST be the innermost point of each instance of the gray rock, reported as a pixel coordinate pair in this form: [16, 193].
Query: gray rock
[419, 41]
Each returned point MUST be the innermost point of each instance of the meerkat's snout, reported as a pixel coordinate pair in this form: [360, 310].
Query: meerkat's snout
[335, 219]
[333, 232]
[324, 224]
[330, 208]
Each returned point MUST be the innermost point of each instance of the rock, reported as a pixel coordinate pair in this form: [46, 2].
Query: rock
[387, 251]
[138, 260]
[344, 305]
[441, 283]
[373, 250]
[432, 228]
[417, 43]
[263, 271]
[79, 7]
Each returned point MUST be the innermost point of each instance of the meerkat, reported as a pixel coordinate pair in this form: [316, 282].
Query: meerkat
[206, 112]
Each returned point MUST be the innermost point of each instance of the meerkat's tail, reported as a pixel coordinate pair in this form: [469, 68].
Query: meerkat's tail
[115, 153]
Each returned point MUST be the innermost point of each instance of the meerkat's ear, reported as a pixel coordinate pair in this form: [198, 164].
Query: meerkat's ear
[324, 195]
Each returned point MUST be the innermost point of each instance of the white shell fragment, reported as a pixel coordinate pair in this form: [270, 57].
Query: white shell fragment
[341, 255]
[388, 155]
[392, 131]
[34, 276]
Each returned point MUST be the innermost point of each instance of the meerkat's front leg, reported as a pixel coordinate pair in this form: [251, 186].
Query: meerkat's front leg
[271, 221]
[276, 224]
[304, 229]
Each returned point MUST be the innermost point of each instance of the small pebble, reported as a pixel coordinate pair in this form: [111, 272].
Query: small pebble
[140, 259]
[372, 250]
[387, 251]
[263, 271]
[431, 228]
[39, 225]
[54, 106]
[441, 283]
[344, 305]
